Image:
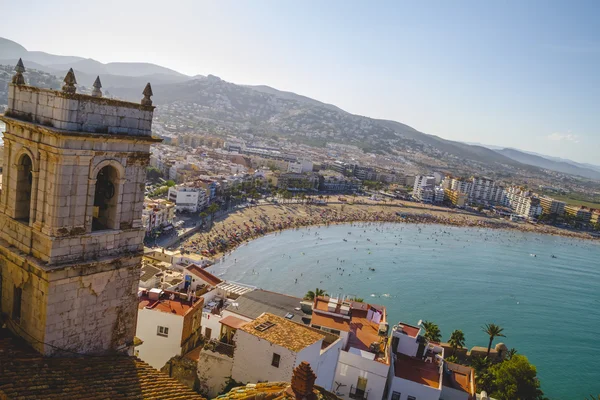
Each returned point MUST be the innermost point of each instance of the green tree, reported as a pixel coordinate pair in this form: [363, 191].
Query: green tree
[483, 376]
[310, 295]
[457, 339]
[493, 331]
[515, 379]
[212, 210]
[170, 183]
[511, 353]
[452, 359]
[153, 174]
[432, 331]
[203, 215]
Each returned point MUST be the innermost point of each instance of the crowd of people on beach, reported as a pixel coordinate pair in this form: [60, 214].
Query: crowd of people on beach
[226, 236]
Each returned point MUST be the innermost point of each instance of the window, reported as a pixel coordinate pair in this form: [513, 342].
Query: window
[396, 395]
[411, 398]
[16, 312]
[275, 360]
[162, 331]
[105, 200]
[23, 188]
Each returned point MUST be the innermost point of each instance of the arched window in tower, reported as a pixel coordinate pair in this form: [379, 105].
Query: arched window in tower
[105, 199]
[23, 190]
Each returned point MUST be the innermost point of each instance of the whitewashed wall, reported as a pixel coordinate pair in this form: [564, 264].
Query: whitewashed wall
[157, 350]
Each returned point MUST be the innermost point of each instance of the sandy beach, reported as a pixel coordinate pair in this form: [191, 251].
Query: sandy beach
[255, 221]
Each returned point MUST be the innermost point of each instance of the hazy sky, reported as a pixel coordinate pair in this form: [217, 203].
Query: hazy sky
[524, 74]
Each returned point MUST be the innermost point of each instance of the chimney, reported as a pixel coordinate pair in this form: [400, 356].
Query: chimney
[303, 382]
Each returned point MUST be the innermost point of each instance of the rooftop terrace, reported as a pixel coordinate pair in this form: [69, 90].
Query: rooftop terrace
[416, 370]
[177, 305]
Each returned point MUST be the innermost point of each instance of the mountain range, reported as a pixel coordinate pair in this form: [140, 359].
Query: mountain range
[212, 103]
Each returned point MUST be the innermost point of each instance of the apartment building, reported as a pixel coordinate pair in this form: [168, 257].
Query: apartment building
[157, 214]
[363, 363]
[485, 191]
[523, 202]
[293, 181]
[168, 323]
[300, 166]
[456, 197]
[423, 189]
[581, 213]
[419, 372]
[552, 206]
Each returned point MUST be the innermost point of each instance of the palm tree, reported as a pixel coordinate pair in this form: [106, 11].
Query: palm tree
[452, 359]
[212, 210]
[493, 331]
[203, 215]
[457, 339]
[432, 331]
[310, 295]
[511, 353]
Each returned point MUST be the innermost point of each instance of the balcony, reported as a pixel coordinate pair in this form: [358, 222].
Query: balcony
[358, 394]
[220, 347]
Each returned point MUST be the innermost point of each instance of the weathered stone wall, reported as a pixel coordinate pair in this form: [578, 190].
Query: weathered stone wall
[214, 371]
[64, 178]
[16, 271]
[79, 281]
[93, 308]
[184, 370]
[90, 308]
[76, 112]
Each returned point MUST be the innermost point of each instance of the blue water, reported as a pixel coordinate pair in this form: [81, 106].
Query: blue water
[460, 278]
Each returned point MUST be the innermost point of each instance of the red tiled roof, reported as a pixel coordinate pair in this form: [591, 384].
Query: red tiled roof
[410, 330]
[329, 321]
[176, 306]
[204, 275]
[233, 322]
[418, 371]
[27, 375]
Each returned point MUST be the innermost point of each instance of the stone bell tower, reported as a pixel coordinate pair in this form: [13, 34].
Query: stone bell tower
[70, 216]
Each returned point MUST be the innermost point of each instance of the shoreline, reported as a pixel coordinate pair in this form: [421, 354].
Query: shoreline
[251, 223]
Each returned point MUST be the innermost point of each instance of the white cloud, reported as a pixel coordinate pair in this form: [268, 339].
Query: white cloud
[560, 137]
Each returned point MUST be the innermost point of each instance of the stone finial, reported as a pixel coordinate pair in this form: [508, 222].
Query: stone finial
[146, 101]
[303, 381]
[70, 82]
[18, 78]
[96, 92]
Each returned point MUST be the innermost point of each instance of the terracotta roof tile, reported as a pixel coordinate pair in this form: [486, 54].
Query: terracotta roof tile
[283, 332]
[25, 374]
[204, 275]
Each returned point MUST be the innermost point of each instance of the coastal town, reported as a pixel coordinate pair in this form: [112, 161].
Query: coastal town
[128, 219]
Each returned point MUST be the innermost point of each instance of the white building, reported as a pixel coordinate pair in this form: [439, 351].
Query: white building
[157, 214]
[270, 347]
[168, 324]
[418, 370]
[523, 202]
[363, 364]
[438, 194]
[190, 199]
[460, 185]
[300, 166]
[485, 191]
[423, 189]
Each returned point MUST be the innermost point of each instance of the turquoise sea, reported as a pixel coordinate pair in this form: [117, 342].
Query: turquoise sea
[459, 278]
